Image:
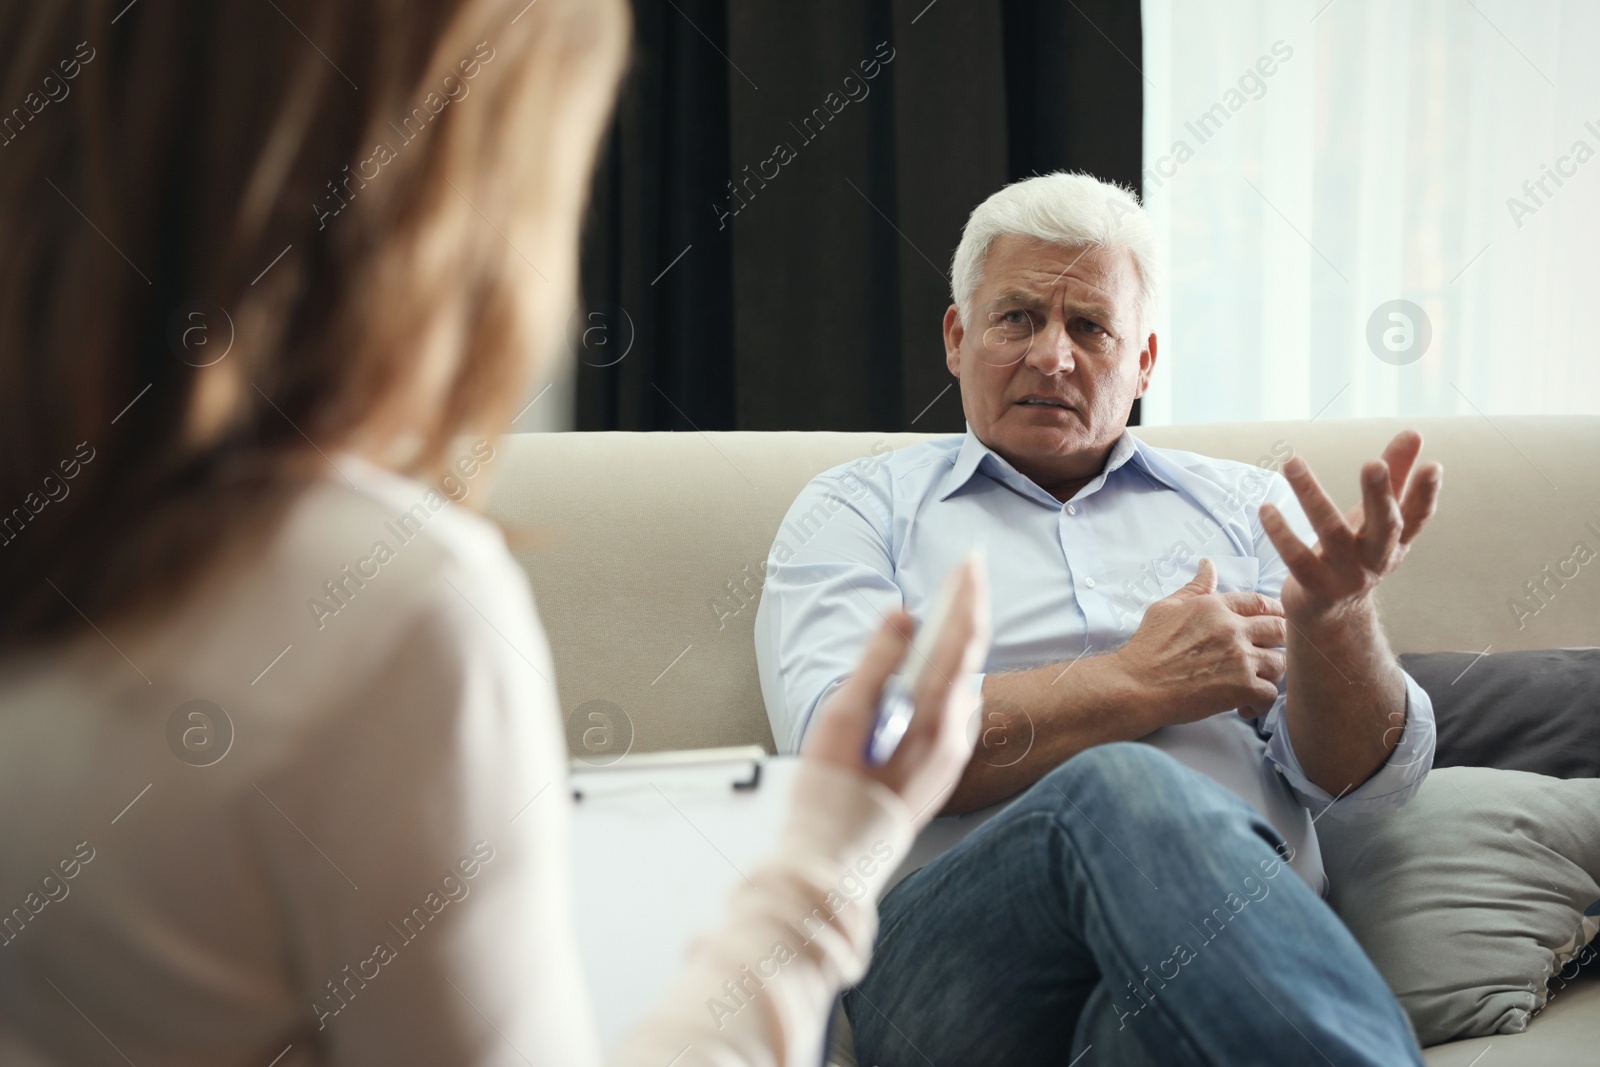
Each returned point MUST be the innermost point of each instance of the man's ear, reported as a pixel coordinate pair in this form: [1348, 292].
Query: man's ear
[954, 333]
[1147, 364]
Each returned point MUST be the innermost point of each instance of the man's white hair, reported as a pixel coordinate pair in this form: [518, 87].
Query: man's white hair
[1077, 210]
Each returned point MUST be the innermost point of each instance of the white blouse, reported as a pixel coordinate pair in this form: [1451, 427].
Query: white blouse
[319, 815]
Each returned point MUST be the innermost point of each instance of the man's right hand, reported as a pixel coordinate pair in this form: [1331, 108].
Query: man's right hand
[1198, 652]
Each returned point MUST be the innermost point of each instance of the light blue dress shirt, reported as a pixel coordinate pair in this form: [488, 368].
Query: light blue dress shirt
[1067, 580]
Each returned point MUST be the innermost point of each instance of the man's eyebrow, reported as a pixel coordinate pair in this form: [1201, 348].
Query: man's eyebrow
[1092, 309]
[1019, 298]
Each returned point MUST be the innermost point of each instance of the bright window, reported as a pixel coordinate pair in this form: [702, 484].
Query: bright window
[1310, 164]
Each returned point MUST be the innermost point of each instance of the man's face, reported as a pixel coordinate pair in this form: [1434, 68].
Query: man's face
[1051, 359]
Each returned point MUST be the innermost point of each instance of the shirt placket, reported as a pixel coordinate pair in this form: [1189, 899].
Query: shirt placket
[1080, 551]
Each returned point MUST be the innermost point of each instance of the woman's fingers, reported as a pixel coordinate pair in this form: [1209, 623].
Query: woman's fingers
[957, 654]
[929, 758]
[858, 697]
[840, 733]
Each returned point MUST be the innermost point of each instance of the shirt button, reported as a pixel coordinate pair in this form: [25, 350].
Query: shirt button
[1071, 510]
[1089, 582]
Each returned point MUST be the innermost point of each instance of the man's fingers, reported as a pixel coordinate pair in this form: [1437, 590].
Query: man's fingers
[1380, 509]
[1251, 603]
[1422, 497]
[1302, 562]
[1203, 582]
[1319, 507]
[1267, 631]
[1400, 455]
[1271, 666]
[1264, 694]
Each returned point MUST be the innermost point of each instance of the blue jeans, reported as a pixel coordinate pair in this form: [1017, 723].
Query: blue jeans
[1125, 910]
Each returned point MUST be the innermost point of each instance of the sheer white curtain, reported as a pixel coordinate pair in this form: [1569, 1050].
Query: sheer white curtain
[1309, 163]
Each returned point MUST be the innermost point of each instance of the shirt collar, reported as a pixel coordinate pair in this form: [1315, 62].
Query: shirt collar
[975, 456]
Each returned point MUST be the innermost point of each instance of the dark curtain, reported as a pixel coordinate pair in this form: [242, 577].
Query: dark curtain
[777, 203]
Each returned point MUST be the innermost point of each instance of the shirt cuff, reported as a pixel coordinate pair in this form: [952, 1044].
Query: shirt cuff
[1389, 788]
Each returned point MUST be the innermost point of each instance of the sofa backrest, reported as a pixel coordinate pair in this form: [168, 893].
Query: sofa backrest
[645, 549]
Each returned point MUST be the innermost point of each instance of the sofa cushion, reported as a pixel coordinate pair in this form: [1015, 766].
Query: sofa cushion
[1564, 1033]
[1470, 899]
[1536, 710]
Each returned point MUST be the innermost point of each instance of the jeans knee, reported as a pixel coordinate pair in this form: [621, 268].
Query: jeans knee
[1119, 768]
[1128, 781]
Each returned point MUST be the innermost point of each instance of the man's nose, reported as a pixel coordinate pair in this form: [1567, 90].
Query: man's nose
[1051, 351]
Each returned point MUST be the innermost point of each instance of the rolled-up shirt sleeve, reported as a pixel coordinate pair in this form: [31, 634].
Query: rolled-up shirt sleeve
[1396, 782]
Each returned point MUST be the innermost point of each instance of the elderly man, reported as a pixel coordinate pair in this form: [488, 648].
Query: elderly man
[1126, 897]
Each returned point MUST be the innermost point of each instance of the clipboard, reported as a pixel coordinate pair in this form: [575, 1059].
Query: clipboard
[694, 768]
[659, 844]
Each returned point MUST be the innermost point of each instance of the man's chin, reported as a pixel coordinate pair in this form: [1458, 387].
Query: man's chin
[1059, 436]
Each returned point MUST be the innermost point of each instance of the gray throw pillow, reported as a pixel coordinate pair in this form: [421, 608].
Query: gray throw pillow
[1471, 899]
[1536, 710]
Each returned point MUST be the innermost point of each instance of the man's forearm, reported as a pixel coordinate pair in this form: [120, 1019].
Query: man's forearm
[1346, 706]
[1050, 714]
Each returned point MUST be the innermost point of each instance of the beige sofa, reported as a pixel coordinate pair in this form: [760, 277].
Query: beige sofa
[645, 553]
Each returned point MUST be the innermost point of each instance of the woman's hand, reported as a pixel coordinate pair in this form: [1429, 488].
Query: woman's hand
[933, 753]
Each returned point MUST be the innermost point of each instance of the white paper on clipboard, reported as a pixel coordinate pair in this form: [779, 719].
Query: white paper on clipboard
[659, 845]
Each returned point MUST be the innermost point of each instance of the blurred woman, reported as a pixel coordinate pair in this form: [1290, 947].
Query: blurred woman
[282, 778]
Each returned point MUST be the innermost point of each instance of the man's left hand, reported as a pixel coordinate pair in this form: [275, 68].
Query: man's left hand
[1355, 550]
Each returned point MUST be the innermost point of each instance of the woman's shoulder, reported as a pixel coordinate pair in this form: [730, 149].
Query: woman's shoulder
[381, 516]
[338, 592]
